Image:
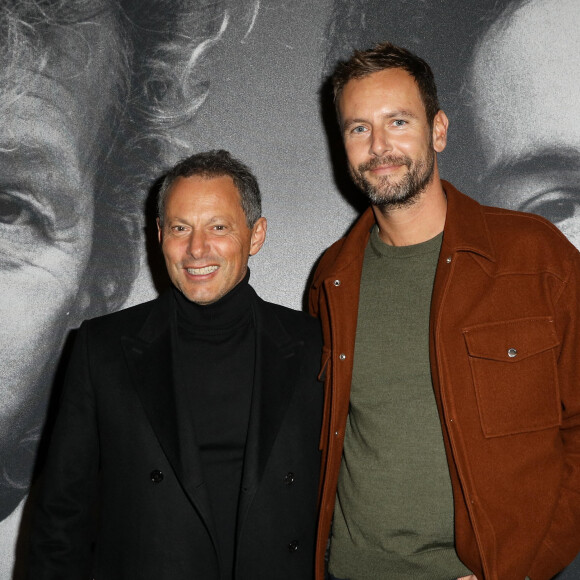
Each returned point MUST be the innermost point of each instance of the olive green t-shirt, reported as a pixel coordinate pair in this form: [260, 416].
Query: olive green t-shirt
[394, 511]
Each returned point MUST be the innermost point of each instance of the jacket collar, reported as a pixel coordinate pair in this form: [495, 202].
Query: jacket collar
[465, 225]
[465, 230]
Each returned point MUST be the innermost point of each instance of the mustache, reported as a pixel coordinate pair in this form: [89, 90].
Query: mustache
[385, 160]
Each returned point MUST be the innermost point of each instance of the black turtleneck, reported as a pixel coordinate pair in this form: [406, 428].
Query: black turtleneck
[216, 351]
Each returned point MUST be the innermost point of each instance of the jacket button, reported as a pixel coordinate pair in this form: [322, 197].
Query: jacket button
[512, 352]
[337, 282]
[341, 356]
[156, 476]
[293, 546]
[448, 259]
[289, 478]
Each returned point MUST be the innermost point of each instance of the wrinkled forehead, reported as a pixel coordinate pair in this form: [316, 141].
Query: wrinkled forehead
[60, 69]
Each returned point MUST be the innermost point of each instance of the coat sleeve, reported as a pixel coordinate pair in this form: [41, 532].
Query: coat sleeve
[562, 541]
[63, 522]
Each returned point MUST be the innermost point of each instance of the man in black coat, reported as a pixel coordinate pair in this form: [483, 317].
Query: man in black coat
[186, 445]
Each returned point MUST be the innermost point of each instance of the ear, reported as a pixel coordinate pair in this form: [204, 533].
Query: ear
[159, 231]
[440, 125]
[258, 236]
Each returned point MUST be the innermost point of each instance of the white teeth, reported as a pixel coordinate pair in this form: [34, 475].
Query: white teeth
[202, 271]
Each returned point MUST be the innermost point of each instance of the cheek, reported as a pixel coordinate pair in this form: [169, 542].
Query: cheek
[36, 309]
[356, 151]
[45, 285]
[413, 144]
[172, 251]
[232, 251]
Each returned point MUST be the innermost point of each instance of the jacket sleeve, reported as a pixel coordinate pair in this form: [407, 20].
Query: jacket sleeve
[63, 522]
[562, 541]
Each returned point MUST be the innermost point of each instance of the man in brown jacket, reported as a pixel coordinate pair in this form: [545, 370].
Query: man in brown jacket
[451, 434]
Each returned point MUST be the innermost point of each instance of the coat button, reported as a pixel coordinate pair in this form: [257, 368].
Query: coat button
[512, 352]
[156, 476]
[341, 356]
[448, 259]
[293, 546]
[337, 282]
[289, 478]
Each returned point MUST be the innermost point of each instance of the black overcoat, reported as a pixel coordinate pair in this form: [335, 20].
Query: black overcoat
[124, 448]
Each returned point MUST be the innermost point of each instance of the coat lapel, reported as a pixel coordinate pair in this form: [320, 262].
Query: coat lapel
[276, 368]
[151, 360]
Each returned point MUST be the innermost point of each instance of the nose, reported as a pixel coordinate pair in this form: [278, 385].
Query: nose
[379, 142]
[197, 246]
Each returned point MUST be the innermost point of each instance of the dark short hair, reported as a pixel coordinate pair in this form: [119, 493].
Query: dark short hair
[385, 56]
[216, 163]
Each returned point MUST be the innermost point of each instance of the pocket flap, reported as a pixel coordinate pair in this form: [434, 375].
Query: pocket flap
[511, 340]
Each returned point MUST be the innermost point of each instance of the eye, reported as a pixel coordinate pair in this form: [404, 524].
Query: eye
[399, 122]
[16, 211]
[557, 205]
[220, 228]
[359, 129]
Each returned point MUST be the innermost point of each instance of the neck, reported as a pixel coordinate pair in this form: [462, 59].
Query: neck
[233, 308]
[417, 222]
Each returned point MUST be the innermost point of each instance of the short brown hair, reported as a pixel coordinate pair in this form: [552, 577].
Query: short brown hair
[384, 56]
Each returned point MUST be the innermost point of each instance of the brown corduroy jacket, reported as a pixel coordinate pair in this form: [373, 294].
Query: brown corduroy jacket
[505, 361]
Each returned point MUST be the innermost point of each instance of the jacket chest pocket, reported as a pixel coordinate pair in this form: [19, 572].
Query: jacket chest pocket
[514, 370]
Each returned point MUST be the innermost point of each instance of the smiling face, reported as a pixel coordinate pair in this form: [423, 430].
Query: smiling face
[389, 144]
[205, 239]
[526, 85]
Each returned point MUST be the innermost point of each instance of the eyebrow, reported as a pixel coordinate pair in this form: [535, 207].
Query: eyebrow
[212, 220]
[534, 162]
[37, 150]
[401, 113]
[31, 158]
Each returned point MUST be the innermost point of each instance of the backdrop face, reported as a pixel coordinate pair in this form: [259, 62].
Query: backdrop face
[98, 98]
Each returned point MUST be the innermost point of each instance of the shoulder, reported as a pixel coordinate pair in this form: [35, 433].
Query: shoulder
[328, 260]
[295, 322]
[526, 233]
[512, 239]
[126, 321]
[346, 251]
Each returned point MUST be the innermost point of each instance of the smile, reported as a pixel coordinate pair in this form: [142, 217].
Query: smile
[385, 168]
[201, 271]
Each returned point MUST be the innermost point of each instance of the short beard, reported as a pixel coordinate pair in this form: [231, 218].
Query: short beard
[386, 194]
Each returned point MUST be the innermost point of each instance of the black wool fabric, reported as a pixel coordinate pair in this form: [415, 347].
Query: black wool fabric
[216, 352]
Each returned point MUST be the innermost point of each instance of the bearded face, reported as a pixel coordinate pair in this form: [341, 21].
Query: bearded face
[395, 190]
